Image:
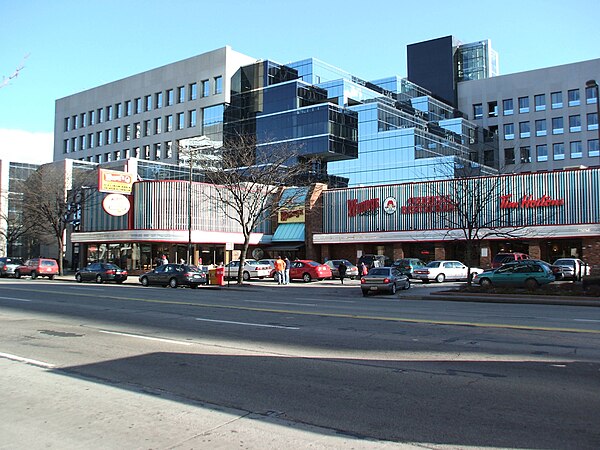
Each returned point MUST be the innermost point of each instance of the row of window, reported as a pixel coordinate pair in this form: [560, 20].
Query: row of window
[147, 152]
[145, 104]
[539, 102]
[137, 130]
[557, 126]
[576, 149]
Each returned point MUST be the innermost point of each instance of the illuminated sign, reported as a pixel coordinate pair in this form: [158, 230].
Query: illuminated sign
[116, 205]
[430, 204]
[528, 201]
[364, 208]
[390, 205]
[295, 215]
[113, 181]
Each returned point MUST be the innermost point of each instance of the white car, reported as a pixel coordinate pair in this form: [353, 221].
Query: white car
[252, 269]
[572, 268]
[440, 271]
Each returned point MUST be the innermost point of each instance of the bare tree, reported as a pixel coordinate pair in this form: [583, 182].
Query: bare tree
[48, 196]
[250, 183]
[15, 229]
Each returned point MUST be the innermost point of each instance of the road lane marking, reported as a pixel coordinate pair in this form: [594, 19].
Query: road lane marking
[15, 299]
[149, 338]
[281, 303]
[586, 320]
[33, 362]
[248, 324]
[325, 301]
[323, 314]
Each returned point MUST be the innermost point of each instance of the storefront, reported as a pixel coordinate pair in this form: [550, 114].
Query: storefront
[547, 215]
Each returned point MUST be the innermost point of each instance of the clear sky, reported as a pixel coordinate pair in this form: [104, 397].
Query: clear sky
[67, 46]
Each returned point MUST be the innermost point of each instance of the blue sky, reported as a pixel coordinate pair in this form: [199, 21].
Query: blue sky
[76, 45]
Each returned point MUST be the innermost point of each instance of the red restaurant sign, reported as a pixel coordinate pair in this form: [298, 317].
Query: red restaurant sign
[433, 203]
[529, 202]
[356, 208]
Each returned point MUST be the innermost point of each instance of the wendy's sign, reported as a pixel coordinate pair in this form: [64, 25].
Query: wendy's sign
[528, 201]
[364, 208]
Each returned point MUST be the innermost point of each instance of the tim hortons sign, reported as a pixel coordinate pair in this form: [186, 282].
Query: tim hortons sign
[528, 201]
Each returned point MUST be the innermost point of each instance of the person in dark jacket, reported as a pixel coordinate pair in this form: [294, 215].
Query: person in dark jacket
[342, 271]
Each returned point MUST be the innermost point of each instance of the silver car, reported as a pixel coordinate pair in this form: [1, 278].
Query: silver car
[351, 269]
[572, 268]
[8, 266]
[383, 279]
[440, 271]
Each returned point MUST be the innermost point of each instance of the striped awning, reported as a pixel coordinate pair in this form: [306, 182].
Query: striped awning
[289, 232]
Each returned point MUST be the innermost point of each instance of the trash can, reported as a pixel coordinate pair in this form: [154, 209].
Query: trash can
[212, 275]
[220, 276]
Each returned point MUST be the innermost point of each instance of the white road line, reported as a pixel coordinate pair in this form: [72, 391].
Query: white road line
[27, 360]
[149, 338]
[326, 301]
[281, 303]
[15, 299]
[585, 320]
[249, 324]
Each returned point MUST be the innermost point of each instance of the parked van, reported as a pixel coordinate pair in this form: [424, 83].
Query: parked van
[503, 258]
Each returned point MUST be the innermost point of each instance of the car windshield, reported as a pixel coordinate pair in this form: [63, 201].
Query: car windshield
[500, 257]
[14, 261]
[47, 263]
[565, 262]
[380, 271]
[313, 263]
[433, 264]
[110, 266]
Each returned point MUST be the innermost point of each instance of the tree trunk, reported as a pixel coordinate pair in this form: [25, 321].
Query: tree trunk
[243, 258]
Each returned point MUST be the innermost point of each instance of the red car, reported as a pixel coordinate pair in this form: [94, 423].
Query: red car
[308, 270]
[37, 267]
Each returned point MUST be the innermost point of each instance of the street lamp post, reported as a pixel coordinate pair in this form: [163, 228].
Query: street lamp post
[593, 84]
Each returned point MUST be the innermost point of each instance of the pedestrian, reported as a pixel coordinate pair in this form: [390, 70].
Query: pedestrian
[363, 269]
[182, 261]
[286, 273]
[279, 269]
[342, 271]
[164, 260]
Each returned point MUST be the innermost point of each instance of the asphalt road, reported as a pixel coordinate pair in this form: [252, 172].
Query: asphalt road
[105, 366]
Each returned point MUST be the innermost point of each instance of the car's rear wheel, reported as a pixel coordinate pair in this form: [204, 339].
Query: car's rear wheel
[51, 277]
[365, 293]
[144, 281]
[194, 286]
[440, 278]
[173, 282]
[306, 278]
[33, 275]
[407, 285]
[78, 278]
[246, 276]
[531, 284]
[485, 282]
[393, 289]
[99, 279]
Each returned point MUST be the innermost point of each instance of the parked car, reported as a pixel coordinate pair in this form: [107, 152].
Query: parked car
[101, 272]
[406, 266]
[530, 274]
[383, 279]
[375, 261]
[308, 270]
[351, 269]
[37, 267]
[440, 271]
[8, 266]
[504, 258]
[252, 269]
[174, 275]
[573, 268]
[269, 262]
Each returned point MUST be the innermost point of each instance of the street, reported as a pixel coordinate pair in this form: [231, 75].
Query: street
[266, 366]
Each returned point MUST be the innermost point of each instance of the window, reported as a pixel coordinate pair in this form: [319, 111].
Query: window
[540, 127]
[136, 152]
[83, 119]
[592, 121]
[91, 140]
[218, 84]
[509, 156]
[74, 122]
[557, 125]
[205, 88]
[524, 130]
[126, 153]
[118, 110]
[117, 155]
[574, 123]
[138, 105]
[507, 107]
[591, 94]
[99, 140]
[66, 148]
[523, 105]
[169, 121]
[192, 118]
[573, 95]
[118, 134]
[542, 152]
[67, 123]
[540, 102]
[82, 142]
[478, 111]
[492, 109]
[92, 117]
[593, 149]
[137, 130]
[108, 136]
[158, 125]
[193, 91]
[146, 128]
[73, 144]
[525, 154]
[556, 98]
[558, 150]
[180, 121]
[509, 131]
[576, 149]
[100, 114]
[127, 132]
[158, 100]
[169, 97]
[146, 154]
[128, 108]
[109, 113]
[181, 94]
[157, 152]
[168, 149]
[148, 102]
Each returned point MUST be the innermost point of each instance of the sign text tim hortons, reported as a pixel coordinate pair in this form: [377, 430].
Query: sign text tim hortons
[429, 204]
[528, 201]
[366, 207]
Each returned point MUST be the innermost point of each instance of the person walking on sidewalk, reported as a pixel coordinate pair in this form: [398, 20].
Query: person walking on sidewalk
[342, 271]
[286, 271]
[279, 269]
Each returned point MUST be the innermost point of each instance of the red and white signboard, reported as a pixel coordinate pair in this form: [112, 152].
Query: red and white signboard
[115, 181]
[116, 204]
